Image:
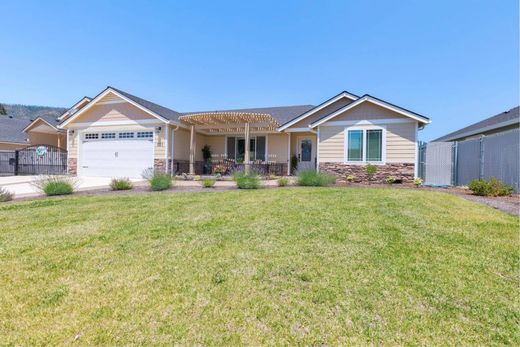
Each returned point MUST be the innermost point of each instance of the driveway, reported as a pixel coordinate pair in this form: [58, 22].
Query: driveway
[22, 186]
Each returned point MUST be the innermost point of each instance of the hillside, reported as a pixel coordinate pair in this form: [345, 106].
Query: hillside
[30, 111]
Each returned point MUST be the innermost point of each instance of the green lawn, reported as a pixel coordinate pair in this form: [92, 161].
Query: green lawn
[310, 266]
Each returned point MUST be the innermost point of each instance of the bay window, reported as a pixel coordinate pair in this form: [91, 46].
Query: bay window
[364, 145]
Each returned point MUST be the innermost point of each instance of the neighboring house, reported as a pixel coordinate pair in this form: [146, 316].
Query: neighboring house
[117, 134]
[499, 123]
[12, 136]
[18, 133]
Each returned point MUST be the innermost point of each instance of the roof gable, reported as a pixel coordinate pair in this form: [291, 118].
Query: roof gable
[162, 113]
[315, 109]
[376, 101]
[47, 122]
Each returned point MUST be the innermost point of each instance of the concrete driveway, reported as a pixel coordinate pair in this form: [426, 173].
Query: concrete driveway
[23, 186]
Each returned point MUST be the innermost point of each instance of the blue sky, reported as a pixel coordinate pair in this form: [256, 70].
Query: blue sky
[454, 61]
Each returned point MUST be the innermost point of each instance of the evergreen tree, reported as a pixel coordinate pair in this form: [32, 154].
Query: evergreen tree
[2, 110]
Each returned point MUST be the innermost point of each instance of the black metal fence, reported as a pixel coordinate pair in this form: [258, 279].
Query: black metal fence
[34, 160]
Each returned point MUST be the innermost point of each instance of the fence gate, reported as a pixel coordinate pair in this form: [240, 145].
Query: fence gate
[435, 163]
[41, 160]
[7, 163]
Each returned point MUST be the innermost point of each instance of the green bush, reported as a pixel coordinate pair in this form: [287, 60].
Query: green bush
[418, 181]
[492, 188]
[315, 179]
[121, 184]
[351, 178]
[390, 180]
[246, 181]
[208, 183]
[5, 195]
[282, 182]
[160, 181]
[371, 172]
[55, 185]
[294, 164]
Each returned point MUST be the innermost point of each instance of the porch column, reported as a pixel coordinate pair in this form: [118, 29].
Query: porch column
[59, 140]
[192, 150]
[289, 154]
[246, 152]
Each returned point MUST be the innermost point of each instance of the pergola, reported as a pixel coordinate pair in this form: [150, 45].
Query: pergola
[227, 123]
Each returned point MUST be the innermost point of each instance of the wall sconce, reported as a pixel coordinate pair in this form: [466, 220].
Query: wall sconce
[158, 130]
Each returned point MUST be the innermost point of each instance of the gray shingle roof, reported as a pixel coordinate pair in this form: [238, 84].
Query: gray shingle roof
[11, 129]
[282, 114]
[484, 125]
[160, 110]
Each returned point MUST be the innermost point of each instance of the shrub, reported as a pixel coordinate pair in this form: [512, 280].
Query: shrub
[371, 171]
[121, 184]
[390, 180]
[351, 178]
[271, 177]
[208, 183]
[55, 185]
[479, 187]
[315, 179]
[160, 181]
[246, 181]
[418, 181]
[492, 188]
[499, 188]
[283, 181]
[219, 169]
[5, 195]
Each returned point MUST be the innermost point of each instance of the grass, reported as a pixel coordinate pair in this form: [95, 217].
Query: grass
[300, 266]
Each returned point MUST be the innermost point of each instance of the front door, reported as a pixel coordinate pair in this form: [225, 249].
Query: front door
[306, 154]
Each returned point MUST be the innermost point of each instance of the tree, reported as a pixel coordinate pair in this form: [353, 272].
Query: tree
[2, 110]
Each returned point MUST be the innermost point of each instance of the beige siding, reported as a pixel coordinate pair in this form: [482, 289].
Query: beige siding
[160, 143]
[332, 107]
[277, 147]
[368, 111]
[37, 138]
[400, 143]
[181, 148]
[6, 146]
[113, 112]
[217, 145]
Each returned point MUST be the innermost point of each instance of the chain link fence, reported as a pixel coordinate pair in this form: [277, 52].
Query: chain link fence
[458, 163]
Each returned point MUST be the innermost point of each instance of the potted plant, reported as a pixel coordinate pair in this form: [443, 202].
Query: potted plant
[206, 156]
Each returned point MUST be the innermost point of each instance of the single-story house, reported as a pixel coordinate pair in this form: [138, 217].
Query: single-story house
[501, 122]
[117, 134]
[18, 133]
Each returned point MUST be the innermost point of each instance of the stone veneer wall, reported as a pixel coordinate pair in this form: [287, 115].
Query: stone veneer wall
[402, 171]
[72, 166]
[160, 165]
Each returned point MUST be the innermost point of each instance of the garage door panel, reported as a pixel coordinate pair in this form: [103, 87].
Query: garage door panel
[116, 158]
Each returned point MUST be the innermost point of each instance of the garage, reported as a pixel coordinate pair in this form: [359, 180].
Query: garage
[116, 153]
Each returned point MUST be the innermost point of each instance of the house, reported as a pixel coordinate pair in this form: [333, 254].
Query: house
[501, 122]
[118, 134]
[18, 133]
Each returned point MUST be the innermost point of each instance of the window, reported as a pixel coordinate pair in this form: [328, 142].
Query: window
[355, 145]
[374, 144]
[144, 134]
[108, 135]
[126, 135]
[91, 136]
[236, 148]
[364, 145]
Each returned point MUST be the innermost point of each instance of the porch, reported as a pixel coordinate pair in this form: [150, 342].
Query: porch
[224, 142]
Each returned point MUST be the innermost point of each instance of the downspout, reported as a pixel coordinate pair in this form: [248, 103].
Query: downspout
[172, 147]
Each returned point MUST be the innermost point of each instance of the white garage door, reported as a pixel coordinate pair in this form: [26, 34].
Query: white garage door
[116, 154]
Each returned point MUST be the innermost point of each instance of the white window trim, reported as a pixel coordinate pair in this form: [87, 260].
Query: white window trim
[237, 137]
[364, 129]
